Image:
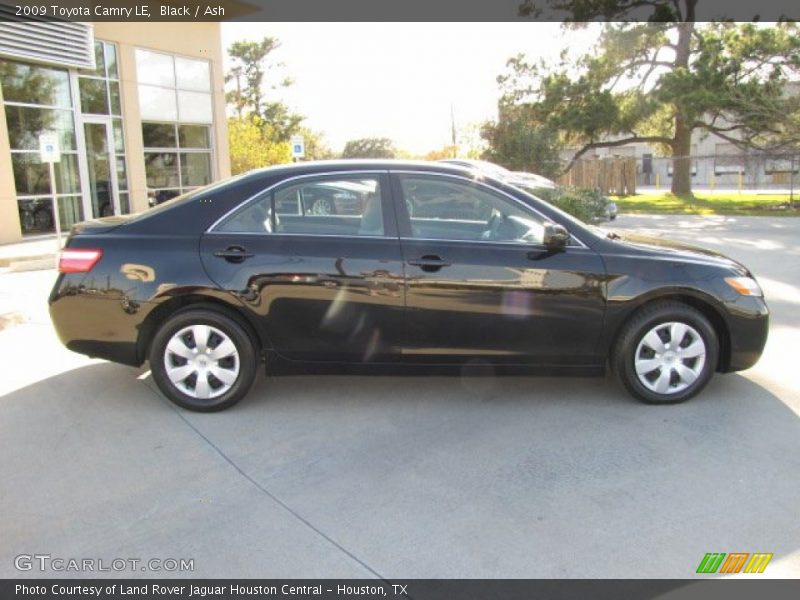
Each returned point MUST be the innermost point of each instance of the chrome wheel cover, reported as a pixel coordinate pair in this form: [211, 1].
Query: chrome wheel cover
[670, 358]
[201, 361]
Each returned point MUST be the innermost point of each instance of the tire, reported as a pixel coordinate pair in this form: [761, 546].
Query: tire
[648, 365]
[185, 366]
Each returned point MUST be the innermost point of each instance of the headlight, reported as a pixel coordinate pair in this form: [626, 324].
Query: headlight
[746, 286]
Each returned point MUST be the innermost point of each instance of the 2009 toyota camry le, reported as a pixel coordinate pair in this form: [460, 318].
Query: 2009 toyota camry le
[358, 266]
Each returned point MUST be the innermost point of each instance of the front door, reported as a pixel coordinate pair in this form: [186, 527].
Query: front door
[103, 185]
[480, 285]
[325, 283]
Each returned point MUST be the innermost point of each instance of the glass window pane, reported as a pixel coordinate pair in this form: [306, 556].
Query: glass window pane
[194, 107]
[195, 169]
[192, 75]
[158, 135]
[34, 85]
[157, 104]
[124, 203]
[161, 169]
[36, 215]
[99, 59]
[31, 176]
[111, 60]
[445, 209]
[155, 197]
[116, 105]
[94, 96]
[122, 174]
[194, 136]
[155, 68]
[70, 209]
[329, 207]
[26, 124]
[119, 139]
[67, 177]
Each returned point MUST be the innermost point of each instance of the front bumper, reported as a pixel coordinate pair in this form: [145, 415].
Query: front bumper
[748, 328]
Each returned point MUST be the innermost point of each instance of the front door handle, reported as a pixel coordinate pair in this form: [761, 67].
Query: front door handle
[234, 254]
[430, 263]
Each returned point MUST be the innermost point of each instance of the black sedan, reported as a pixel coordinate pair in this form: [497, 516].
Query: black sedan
[438, 268]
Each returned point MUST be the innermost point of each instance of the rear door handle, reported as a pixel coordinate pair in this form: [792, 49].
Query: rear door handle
[429, 262]
[234, 254]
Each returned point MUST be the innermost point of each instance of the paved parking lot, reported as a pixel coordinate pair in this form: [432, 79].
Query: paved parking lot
[408, 477]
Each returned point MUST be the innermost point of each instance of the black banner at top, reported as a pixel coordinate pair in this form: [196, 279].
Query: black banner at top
[397, 10]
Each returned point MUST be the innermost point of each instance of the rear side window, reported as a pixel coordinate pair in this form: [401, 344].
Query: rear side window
[324, 206]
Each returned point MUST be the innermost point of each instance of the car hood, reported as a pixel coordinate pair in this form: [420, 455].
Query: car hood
[672, 249]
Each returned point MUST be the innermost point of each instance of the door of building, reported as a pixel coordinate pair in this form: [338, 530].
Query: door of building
[102, 172]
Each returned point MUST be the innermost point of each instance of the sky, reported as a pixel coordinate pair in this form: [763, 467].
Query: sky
[399, 80]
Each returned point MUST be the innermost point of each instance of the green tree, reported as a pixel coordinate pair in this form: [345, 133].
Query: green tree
[247, 86]
[252, 145]
[370, 148]
[316, 147]
[660, 81]
[520, 143]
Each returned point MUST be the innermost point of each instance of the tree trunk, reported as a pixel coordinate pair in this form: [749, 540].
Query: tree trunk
[682, 142]
[681, 160]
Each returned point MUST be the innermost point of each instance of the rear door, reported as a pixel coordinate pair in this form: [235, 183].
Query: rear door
[480, 284]
[325, 286]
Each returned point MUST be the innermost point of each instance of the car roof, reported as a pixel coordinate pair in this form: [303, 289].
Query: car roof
[356, 164]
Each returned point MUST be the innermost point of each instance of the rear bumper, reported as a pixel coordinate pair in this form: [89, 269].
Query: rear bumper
[748, 328]
[98, 323]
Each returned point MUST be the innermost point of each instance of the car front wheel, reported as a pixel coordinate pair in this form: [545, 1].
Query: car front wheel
[666, 353]
[203, 360]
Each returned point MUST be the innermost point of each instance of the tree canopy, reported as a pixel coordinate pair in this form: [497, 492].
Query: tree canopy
[370, 148]
[658, 82]
[260, 130]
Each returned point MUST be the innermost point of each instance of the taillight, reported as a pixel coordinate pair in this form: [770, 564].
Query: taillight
[78, 260]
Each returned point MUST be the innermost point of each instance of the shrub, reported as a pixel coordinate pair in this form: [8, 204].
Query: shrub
[586, 204]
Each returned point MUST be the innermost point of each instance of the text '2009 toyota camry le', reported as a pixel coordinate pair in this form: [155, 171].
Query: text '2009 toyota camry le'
[386, 265]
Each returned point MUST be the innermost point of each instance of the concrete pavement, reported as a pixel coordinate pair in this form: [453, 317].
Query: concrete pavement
[408, 477]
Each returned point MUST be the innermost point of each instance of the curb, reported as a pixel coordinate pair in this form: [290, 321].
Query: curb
[28, 263]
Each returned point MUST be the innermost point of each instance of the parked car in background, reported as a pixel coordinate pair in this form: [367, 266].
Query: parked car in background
[342, 198]
[533, 181]
[535, 184]
[213, 284]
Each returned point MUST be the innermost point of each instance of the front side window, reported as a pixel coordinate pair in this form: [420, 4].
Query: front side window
[442, 208]
[329, 206]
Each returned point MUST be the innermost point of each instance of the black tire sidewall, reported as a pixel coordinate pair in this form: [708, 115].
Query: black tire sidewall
[239, 337]
[638, 326]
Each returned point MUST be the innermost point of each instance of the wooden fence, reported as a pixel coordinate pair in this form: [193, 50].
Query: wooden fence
[612, 176]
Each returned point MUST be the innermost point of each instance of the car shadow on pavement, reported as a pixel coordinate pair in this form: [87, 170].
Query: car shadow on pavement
[417, 476]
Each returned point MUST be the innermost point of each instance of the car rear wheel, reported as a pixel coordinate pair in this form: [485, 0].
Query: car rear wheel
[666, 353]
[203, 360]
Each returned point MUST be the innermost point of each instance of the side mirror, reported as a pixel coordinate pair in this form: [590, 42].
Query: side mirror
[555, 236]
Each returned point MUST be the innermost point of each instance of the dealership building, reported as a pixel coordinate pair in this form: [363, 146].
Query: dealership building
[136, 110]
